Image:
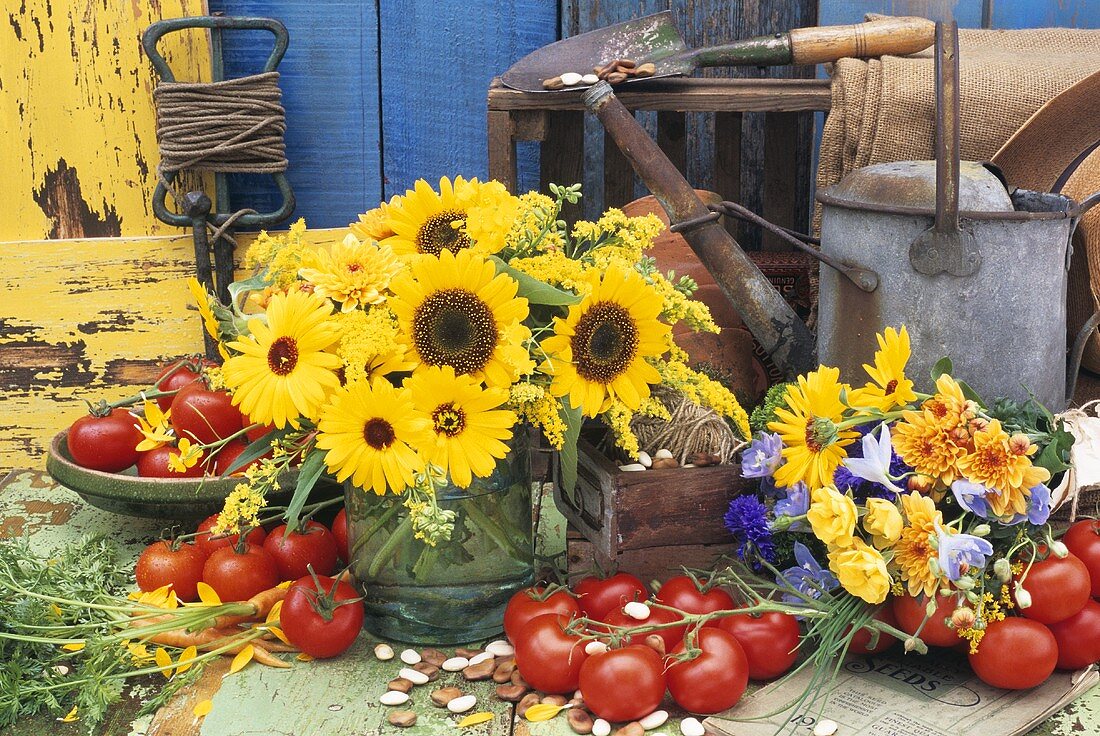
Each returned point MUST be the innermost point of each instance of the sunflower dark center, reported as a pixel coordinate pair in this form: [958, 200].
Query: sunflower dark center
[282, 356]
[449, 419]
[604, 342]
[454, 327]
[378, 433]
[438, 233]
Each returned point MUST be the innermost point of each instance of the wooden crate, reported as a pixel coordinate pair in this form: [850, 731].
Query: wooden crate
[778, 188]
[652, 521]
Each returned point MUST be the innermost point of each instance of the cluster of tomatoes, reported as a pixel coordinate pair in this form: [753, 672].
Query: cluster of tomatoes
[108, 441]
[238, 567]
[554, 658]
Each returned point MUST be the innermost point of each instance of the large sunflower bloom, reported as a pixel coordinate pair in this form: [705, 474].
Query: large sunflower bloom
[914, 550]
[370, 431]
[283, 371]
[889, 387]
[813, 447]
[354, 274]
[469, 430]
[462, 214]
[1003, 463]
[456, 310]
[598, 351]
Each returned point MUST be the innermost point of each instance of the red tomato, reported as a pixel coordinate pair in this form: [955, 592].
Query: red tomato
[671, 636]
[597, 597]
[209, 543]
[237, 576]
[1083, 540]
[531, 602]
[909, 612]
[340, 534]
[260, 432]
[1078, 638]
[105, 443]
[1015, 654]
[682, 593]
[293, 552]
[861, 641]
[164, 562]
[228, 455]
[547, 657]
[713, 681]
[203, 415]
[623, 684]
[154, 464]
[316, 619]
[770, 641]
[180, 377]
[1059, 588]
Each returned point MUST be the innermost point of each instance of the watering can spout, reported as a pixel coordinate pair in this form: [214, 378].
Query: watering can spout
[774, 324]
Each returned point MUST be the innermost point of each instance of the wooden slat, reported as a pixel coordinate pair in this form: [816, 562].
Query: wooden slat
[618, 176]
[968, 13]
[727, 161]
[783, 159]
[562, 152]
[671, 132]
[752, 175]
[502, 149]
[1043, 14]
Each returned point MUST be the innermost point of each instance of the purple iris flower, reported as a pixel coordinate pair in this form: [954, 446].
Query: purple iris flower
[848, 482]
[955, 550]
[795, 503]
[972, 497]
[1038, 507]
[808, 578]
[763, 456]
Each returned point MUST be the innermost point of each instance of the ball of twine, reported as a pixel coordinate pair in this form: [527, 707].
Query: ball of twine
[691, 429]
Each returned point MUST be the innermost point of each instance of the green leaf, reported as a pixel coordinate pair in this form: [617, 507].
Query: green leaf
[256, 283]
[971, 394]
[255, 449]
[1054, 455]
[307, 478]
[943, 365]
[569, 457]
[535, 291]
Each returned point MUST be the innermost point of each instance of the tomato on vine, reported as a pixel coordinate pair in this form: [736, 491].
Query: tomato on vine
[549, 657]
[712, 681]
[171, 562]
[770, 641]
[598, 596]
[525, 604]
[321, 616]
[204, 416]
[209, 542]
[1083, 540]
[910, 612]
[861, 640]
[1059, 588]
[106, 443]
[237, 574]
[671, 636]
[174, 377]
[340, 534]
[686, 594]
[157, 463]
[622, 684]
[296, 552]
[1015, 654]
[1078, 638]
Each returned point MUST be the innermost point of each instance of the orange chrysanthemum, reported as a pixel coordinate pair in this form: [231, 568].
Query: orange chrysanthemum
[927, 446]
[1003, 463]
[914, 550]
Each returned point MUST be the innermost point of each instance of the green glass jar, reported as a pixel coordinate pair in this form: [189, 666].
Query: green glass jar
[454, 592]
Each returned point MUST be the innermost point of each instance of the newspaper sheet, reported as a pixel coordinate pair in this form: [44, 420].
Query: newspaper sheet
[897, 695]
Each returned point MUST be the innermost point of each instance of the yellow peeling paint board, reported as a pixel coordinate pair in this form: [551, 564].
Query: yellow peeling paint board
[90, 319]
[77, 124]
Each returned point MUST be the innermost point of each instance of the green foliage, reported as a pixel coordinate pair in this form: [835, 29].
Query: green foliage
[765, 412]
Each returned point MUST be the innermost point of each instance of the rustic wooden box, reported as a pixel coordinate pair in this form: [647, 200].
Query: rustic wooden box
[647, 522]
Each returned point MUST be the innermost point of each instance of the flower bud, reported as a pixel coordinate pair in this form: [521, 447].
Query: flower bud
[1023, 598]
[913, 644]
[981, 530]
[930, 609]
[1019, 444]
[1059, 549]
[920, 483]
[972, 597]
[977, 425]
[963, 617]
[933, 563]
[965, 583]
[1002, 568]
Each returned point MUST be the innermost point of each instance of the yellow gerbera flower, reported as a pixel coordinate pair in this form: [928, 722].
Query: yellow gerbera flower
[375, 224]
[1003, 463]
[456, 310]
[283, 372]
[463, 214]
[813, 447]
[599, 351]
[470, 431]
[913, 550]
[890, 387]
[371, 432]
[354, 274]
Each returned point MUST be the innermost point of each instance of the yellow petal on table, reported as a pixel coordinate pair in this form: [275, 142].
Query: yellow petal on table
[278, 634]
[164, 661]
[274, 613]
[208, 595]
[203, 708]
[303, 657]
[76, 646]
[243, 657]
[56, 609]
[70, 716]
[475, 718]
[543, 712]
[285, 584]
[184, 662]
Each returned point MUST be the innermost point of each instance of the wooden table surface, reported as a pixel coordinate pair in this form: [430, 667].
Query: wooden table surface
[338, 696]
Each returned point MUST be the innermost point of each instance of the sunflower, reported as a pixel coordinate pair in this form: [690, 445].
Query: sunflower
[374, 224]
[923, 441]
[598, 351]
[430, 222]
[914, 550]
[890, 387]
[283, 371]
[813, 447]
[354, 274]
[469, 430]
[370, 431]
[1003, 463]
[456, 310]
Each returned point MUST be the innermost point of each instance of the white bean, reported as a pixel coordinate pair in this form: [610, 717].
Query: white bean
[590, 79]
[645, 459]
[462, 703]
[600, 727]
[826, 727]
[636, 610]
[410, 656]
[632, 467]
[456, 664]
[500, 648]
[692, 727]
[656, 719]
[383, 652]
[414, 676]
[570, 78]
[661, 455]
[393, 697]
[479, 658]
[595, 647]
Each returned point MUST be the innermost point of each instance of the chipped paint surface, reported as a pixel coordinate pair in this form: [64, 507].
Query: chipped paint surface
[80, 160]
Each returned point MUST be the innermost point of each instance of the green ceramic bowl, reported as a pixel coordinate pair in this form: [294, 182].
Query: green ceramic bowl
[185, 499]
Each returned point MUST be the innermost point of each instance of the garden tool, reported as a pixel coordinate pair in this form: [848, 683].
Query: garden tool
[655, 40]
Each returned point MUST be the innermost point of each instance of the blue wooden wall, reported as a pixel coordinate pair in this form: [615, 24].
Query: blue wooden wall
[972, 13]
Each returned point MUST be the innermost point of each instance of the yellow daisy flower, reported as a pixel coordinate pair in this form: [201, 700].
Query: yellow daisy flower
[354, 274]
[890, 387]
[429, 222]
[469, 430]
[375, 224]
[283, 372]
[1003, 463]
[599, 350]
[187, 457]
[202, 301]
[812, 445]
[155, 426]
[456, 310]
[371, 432]
[913, 550]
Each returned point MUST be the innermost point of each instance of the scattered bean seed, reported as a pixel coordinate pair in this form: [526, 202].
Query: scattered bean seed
[579, 720]
[663, 463]
[636, 610]
[692, 727]
[662, 453]
[825, 727]
[383, 652]
[589, 79]
[467, 653]
[462, 703]
[626, 63]
[645, 70]
[595, 647]
[517, 679]
[455, 664]
[483, 657]
[570, 79]
[413, 676]
[410, 656]
[444, 695]
[425, 668]
[401, 685]
[631, 467]
[402, 718]
[554, 700]
[433, 656]
[526, 702]
[656, 719]
[480, 671]
[511, 693]
[393, 697]
[600, 727]
[500, 648]
[504, 670]
[703, 459]
[645, 459]
[656, 643]
[631, 729]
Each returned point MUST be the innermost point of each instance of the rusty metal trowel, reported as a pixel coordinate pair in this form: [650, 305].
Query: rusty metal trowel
[655, 39]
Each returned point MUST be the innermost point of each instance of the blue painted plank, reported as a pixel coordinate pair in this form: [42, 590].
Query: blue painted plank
[967, 12]
[437, 61]
[330, 89]
[1044, 13]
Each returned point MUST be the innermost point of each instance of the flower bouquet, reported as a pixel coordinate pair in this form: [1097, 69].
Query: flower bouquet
[407, 360]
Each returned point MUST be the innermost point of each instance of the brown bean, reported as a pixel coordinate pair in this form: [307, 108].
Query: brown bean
[645, 70]
[479, 671]
[579, 720]
[444, 695]
[511, 693]
[468, 653]
[504, 670]
[517, 679]
[663, 463]
[626, 63]
[703, 459]
[655, 643]
[401, 685]
[526, 702]
[434, 656]
[427, 669]
[615, 77]
[631, 729]
[402, 718]
[552, 83]
[554, 700]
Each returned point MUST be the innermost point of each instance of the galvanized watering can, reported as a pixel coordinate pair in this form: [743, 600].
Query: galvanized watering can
[974, 272]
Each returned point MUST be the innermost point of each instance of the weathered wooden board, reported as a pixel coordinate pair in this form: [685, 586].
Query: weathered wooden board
[78, 132]
[968, 13]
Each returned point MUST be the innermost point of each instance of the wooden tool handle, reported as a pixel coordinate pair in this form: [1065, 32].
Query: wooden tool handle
[896, 36]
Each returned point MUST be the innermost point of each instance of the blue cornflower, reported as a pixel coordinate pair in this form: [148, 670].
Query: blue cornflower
[808, 578]
[747, 520]
[762, 457]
